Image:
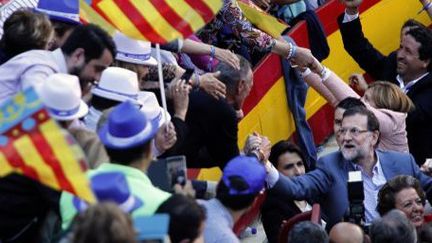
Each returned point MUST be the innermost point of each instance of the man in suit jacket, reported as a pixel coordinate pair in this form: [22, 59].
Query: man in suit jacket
[327, 184]
[212, 123]
[409, 67]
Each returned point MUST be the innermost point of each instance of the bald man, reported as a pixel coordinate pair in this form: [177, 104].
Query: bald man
[346, 233]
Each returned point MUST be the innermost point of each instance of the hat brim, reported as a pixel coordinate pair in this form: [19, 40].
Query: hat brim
[81, 205]
[82, 111]
[114, 96]
[103, 135]
[149, 62]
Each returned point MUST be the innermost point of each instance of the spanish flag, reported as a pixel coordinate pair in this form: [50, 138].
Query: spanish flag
[32, 144]
[157, 21]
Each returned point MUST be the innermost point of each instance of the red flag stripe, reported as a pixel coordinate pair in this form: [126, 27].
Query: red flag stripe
[15, 160]
[202, 9]
[139, 21]
[44, 148]
[172, 17]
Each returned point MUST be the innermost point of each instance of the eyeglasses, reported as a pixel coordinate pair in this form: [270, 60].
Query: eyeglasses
[354, 131]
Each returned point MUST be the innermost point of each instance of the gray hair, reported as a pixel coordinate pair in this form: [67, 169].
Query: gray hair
[231, 76]
[393, 227]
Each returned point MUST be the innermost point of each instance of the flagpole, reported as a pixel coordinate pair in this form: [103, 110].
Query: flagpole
[161, 84]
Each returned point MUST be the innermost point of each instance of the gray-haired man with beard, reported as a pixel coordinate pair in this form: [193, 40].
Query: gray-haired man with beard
[327, 184]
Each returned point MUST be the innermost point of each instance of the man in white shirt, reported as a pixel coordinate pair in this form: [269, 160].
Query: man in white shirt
[86, 53]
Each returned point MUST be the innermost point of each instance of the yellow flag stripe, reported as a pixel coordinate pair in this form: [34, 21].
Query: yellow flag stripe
[68, 160]
[214, 5]
[187, 13]
[91, 16]
[264, 22]
[159, 24]
[5, 167]
[25, 148]
[120, 20]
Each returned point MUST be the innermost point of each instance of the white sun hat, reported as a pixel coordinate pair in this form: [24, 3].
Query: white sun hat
[151, 108]
[133, 51]
[61, 94]
[118, 84]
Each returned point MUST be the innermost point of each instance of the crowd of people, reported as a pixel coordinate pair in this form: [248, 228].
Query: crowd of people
[104, 91]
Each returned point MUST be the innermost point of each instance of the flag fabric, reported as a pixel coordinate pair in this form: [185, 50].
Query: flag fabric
[89, 15]
[262, 20]
[157, 21]
[32, 144]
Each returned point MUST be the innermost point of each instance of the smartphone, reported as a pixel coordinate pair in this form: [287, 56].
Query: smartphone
[187, 75]
[177, 172]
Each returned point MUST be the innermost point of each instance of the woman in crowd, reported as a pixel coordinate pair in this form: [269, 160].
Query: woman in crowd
[389, 104]
[289, 160]
[403, 193]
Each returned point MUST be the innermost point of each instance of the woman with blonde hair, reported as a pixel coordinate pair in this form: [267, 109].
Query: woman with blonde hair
[389, 104]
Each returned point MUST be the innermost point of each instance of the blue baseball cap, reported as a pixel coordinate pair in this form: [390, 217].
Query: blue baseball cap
[250, 170]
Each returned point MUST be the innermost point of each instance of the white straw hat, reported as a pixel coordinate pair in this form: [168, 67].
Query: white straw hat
[61, 94]
[133, 51]
[151, 108]
[118, 84]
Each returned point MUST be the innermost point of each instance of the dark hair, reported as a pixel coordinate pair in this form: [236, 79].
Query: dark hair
[372, 120]
[413, 23]
[186, 217]
[282, 147]
[129, 155]
[424, 37]
[349, 103]
[101, 103]
[105, 223]
[394, 227]
[231, 76]
[234, 202]
[61, 27]
[387, 194]
[93, 39]
[307, 232]
[25, 30]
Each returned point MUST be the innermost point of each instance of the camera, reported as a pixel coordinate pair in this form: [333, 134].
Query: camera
[356, 209]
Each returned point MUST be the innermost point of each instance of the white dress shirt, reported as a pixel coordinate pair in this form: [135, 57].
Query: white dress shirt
[27, 69]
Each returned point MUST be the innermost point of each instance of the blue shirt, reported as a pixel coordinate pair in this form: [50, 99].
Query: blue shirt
[219, 223]
[371, 187]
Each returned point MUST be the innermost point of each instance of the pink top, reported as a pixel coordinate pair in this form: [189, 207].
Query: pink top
[392, 123]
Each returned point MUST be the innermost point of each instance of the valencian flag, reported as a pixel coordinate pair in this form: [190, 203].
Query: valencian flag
[32, 144]
[89, 15]
[157, 21]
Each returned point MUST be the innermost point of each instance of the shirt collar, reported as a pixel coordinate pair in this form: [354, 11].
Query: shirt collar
[376, 169]
[224, 211]
[405, 87]
[128, 171]
[60, 60]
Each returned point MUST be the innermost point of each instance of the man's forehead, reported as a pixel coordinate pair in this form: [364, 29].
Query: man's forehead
[356, 120]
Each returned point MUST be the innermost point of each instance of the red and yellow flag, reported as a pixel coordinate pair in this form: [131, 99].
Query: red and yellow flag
[157, 21]
[32, 144]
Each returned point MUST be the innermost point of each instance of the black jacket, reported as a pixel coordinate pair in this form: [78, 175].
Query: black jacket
[212, 138]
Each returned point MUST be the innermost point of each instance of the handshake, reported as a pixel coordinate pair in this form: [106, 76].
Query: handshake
[258, 146]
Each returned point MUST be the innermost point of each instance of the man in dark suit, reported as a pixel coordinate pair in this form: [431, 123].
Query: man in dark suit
[409, 67]
[327, 184]
[212, 138]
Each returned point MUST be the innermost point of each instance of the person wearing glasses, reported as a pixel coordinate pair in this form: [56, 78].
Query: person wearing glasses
[386, 100]
[327, 184]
